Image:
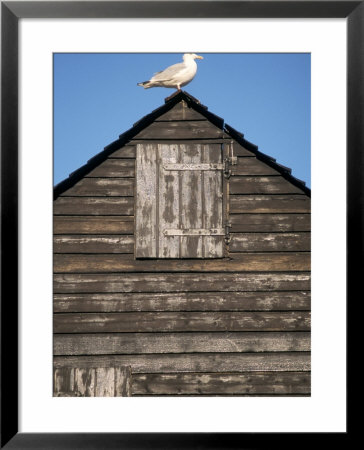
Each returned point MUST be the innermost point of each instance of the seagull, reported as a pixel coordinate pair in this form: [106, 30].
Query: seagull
[175, 76]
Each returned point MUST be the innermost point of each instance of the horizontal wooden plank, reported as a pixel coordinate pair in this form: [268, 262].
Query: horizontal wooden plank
[239, 150]
[270, 222]
[102, 187]
[180, 130]
[252, 166]
[128, 151]
[183, 282]
[261, 185]
[140, 322]
[145, 343]
[190, 301]
[282, 383]
[195, 362]
[242, 262]
[93, 225]
[114, 168]
[93, 244]
[181, 112]
[289, 203]
[178, 141]
[270, 242]
[94, 206]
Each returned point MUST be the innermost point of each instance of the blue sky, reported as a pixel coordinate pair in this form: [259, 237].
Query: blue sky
[267, 97]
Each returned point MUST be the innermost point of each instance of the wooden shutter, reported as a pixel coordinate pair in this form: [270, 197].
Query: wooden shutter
[179, 201]
[92, 382]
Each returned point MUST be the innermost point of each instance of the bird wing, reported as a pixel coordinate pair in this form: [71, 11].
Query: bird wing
[169, 72]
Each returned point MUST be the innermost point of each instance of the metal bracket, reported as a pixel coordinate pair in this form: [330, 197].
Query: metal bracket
[202, 166]
[194, 232]
[227, 233]
[227, 171]
[229, 161]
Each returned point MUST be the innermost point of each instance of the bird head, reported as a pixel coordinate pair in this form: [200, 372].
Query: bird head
[191, 56]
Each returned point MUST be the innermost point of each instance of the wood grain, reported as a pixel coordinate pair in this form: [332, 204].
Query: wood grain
[213, 207]
[144, 343]
[92, 382]
[283, 383]
[190, 201]
[242, 262]
[182, 282]
[270, 242]
[85, 381]
[252, 166]
[93, 225]
[180, 130]
[181, 111]
[185, 301]
[239, 150]
[102, 187]
[180, 321]
[248, 242]
[270, 222]
[169, 201]
[93, 244]
[262, 185]
[114, 168]
[270, 204]
[105, 384]
[146, 211]
[94, 206]
[195, 362]
[128, 151]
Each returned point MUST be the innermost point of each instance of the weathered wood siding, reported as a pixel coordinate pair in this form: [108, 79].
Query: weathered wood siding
[237, 325]
[174, 193]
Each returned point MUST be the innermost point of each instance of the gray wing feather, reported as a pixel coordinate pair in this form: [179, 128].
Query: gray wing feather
[169, 72]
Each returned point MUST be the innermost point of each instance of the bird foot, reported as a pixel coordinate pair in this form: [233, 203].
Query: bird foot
[171, 96]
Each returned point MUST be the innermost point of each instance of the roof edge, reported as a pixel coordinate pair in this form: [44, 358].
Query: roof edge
[145, 121]
[282, 170]
[123, 139]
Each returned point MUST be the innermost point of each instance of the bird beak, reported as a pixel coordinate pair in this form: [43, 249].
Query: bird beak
[199, 57]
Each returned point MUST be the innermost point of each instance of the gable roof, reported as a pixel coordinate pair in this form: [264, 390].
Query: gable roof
[147, 120]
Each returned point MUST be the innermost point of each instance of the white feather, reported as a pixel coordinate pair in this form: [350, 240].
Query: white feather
[175, 76]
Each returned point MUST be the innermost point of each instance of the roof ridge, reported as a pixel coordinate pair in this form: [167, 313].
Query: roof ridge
[183, 95]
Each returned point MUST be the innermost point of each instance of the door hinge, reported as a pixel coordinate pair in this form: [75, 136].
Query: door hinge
[202, 166]
[227, 233]
[194, 232]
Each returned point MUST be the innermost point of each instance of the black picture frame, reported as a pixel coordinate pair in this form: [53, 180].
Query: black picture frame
[11, 12]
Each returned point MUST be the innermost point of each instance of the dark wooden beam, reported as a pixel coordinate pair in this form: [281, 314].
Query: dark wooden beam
[180, 9]
[9, 220]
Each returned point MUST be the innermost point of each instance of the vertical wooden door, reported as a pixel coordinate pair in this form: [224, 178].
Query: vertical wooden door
[179, 201]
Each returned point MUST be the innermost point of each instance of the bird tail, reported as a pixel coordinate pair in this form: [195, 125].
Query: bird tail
[145, 84]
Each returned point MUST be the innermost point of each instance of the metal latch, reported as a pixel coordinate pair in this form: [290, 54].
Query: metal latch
[227, 233]
[229, 161]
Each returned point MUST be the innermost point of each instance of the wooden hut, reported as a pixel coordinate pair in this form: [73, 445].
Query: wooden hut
[181, 265]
